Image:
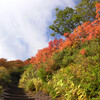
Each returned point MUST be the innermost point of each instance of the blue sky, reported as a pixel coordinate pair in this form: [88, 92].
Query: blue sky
[24, 26]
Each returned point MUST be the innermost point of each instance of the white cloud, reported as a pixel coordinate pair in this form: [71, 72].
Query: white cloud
[23, 26]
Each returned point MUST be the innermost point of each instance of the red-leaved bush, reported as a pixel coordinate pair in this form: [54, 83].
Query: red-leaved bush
[85, 32]
[82, 52]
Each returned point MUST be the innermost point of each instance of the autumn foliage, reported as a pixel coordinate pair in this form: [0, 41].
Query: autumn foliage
[85, 32]
[44, 54]
[69, 68]
[98, 10]
[82, 52]
[10, 64]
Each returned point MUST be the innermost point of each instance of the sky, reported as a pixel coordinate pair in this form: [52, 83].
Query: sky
[24, 26]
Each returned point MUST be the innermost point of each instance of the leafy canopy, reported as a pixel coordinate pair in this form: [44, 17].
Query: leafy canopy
[68, 19]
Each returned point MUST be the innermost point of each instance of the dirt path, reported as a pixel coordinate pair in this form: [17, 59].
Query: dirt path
[41, 96]
[12, 92]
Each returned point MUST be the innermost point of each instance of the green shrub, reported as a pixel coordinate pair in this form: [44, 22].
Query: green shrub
[57, 60]
[29, 80]
[38, 83]
[4, 75]
[24, 68]
[70, 74]
[87, 76]
[29, 86]
[69, 56]
[62, 86]
[27, 75]
[44, 75]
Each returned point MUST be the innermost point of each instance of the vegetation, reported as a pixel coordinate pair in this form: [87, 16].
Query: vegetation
[68, 19]
[10, 71]
[86, 9]
[67, 69]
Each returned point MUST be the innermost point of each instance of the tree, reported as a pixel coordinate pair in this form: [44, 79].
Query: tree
[3, 62]
[66, 21]
[86, 9]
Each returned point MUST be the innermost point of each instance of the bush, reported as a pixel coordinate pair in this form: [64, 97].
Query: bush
[4, 75]
[27, 75]
[71, 74]
[63, 87]
[44, 75]
[29, 86]
[29, 80]
[38, 83]
[22, 69]
[87, 76]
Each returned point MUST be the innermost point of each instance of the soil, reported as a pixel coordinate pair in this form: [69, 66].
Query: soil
[12, 92]
[41, 96]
